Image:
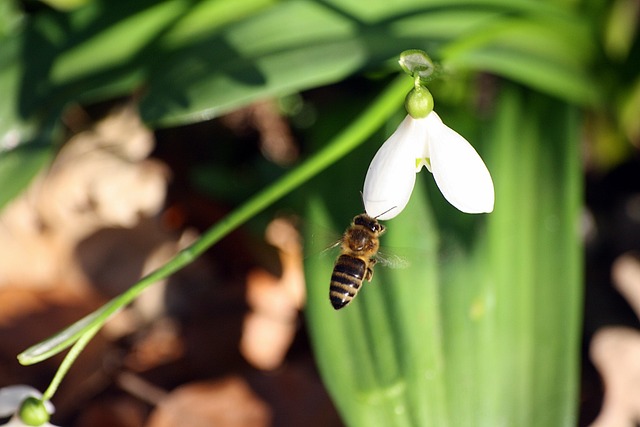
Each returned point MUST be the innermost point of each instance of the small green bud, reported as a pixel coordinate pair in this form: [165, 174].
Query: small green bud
[419, 102]
[33, 412]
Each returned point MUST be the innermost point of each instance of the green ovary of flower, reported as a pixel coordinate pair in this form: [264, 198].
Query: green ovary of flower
[419, 102]
[33, 412]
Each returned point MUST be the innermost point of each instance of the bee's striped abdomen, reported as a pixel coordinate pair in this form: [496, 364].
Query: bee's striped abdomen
[346, 280]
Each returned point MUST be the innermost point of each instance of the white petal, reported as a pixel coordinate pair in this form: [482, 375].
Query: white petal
[460, 173]
[11, 398]
[15, 421]
[392, 172]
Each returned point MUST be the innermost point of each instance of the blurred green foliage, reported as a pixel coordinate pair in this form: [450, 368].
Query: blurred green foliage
[190, 60]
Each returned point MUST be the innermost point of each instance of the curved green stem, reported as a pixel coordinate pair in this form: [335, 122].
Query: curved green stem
[80, 333]
[66, 364]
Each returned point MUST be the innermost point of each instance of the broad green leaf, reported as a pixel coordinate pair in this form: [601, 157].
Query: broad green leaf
[514, 48]
[66, 4]
[571, 84]
[301, 44]
[25, 146]
[196, 60]
[10, 19]
[290, 46]
[19, 166]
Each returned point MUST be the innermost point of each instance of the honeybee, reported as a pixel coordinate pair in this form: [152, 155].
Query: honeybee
[359, 245]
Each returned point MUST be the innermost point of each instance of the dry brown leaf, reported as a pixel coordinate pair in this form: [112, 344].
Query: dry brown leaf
[99, 179]
[113, 412]
[615, 352]
[141, 388]
[228, 402]
[270, 327]
[160, 345]
[626, 279]
[277, 142]
[282, 234]
[30, 315]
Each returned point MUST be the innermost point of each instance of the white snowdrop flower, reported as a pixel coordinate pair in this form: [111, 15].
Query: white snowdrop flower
[460, 173]
[23, 402]
[423, 140]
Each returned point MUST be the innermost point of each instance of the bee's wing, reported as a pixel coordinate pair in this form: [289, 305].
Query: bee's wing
[391, 260]
[321, 240]
[331, 247]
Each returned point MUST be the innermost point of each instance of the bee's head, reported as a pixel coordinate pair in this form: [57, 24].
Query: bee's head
[366, 221]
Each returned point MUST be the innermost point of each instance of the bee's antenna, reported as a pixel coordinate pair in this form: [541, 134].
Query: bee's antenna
[379, 215]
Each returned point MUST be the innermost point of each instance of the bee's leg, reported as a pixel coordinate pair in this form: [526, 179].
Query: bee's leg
[368, 275]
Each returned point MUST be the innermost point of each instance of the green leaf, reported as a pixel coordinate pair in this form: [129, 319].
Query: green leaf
[302, 44]
[10, 19]
[25, 146]
[68, 336]
[537, 270]
[19, 166]
[290, 46]
[549, 54]
[195, 60]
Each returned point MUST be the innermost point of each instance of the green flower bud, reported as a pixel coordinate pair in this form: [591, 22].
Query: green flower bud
[419, 102]
[33, 412]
